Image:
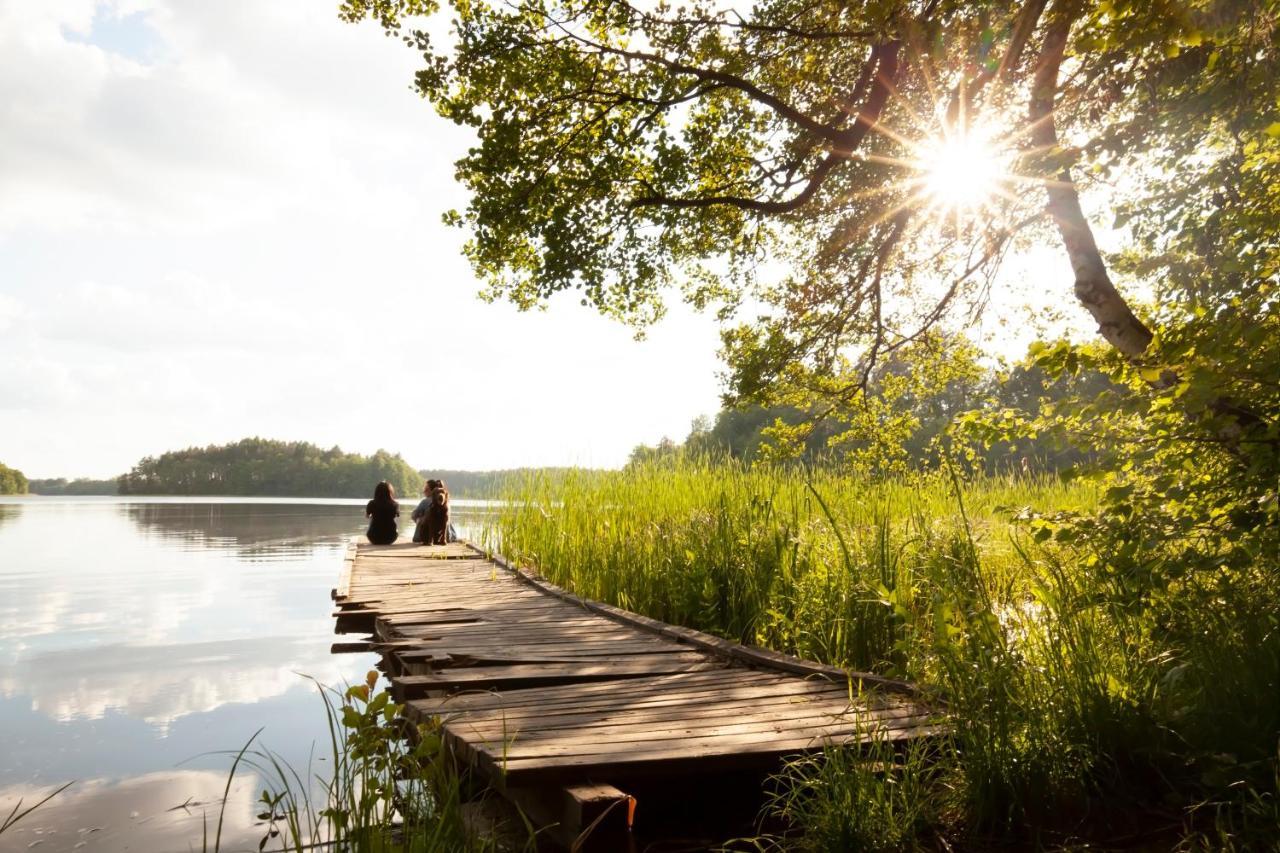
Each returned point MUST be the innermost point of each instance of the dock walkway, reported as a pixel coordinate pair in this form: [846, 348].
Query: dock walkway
[538, 687]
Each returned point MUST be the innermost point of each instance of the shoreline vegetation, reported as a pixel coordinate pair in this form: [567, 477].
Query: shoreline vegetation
[1085, 710]
[258, 467]
[12, 481]
[80, 486]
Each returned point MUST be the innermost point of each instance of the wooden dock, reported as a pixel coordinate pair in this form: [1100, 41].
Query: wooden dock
[541, 690]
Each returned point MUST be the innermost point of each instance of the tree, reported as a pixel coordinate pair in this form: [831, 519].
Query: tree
[257, 466]
[621, 146]
[887, 155]
[12, 481]
[78, 486]
[642, 454]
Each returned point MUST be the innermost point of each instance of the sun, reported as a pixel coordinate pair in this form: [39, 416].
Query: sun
[961, 171]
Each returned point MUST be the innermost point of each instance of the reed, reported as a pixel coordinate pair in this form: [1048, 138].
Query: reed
[1072, 699]
[392, 787]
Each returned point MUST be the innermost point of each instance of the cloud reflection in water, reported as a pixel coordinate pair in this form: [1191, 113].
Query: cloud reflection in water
[134, 636]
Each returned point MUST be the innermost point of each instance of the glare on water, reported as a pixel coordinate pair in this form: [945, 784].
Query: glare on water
[141, 640]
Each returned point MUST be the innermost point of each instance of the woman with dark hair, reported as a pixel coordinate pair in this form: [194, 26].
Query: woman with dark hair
[382, 512]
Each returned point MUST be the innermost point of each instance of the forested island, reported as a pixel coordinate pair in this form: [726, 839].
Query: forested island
[12, 481]
[259, 466]
[270, 468]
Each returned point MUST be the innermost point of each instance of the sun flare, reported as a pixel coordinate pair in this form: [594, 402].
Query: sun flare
[962, 172]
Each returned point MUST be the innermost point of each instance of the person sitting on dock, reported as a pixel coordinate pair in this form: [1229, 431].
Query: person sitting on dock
[451, 535]
[419, 514]
[438, 517]
[382, 512]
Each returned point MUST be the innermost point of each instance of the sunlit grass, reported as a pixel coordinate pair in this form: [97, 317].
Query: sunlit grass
[1072, 701]
[820, 565]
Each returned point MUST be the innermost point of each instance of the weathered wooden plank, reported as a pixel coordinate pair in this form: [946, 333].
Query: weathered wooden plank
[426, 666]
[666, 686]
[343, 589]
[571, 626]
[515, 676]
[485, 706]
[552, 720]
[531, 740]
[708, 760]
[634, 695]
[492, 659]
[658, 709]
[527, 642]
[677, 743]
[509, 609]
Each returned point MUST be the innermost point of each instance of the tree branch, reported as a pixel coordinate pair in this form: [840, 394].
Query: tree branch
[845, 141]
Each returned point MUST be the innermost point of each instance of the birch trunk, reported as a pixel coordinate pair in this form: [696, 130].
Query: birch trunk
[1093, 286]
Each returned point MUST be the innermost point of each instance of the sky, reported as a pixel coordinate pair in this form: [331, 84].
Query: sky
[223, 219]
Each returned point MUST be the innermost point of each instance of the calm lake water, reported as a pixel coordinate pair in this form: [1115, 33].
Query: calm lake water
[140, 639]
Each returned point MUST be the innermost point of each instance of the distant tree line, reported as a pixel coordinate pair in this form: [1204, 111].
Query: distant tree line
[916, 425]
[480, 485]
[258, 466]
[12, 481]
[78, 486]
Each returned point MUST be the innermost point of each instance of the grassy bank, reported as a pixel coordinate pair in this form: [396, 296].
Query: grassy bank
[1085, 707]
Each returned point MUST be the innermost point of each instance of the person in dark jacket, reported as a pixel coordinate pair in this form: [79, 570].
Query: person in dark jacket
[438, 517]
[420, 513]
[451, 535]
[382, 512]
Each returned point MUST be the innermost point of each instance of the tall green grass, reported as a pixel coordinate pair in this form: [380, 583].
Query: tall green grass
[1076, 704]
[823, 566]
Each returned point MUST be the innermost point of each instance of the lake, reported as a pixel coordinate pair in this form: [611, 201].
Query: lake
[143, 638]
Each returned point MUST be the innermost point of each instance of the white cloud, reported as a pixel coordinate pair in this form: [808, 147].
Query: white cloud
[234, 230]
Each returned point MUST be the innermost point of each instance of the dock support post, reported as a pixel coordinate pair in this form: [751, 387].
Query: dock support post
[583, 818]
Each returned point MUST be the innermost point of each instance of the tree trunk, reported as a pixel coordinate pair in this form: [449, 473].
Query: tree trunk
[1093, 287]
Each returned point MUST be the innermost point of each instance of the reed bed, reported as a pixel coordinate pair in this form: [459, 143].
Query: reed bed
[1078, 711]
[827, 567]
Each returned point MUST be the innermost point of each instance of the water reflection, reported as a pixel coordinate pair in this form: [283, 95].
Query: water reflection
[274, 531]
[142, 639]
[136, 636]
[162, 683]
[256, 531]
[154, 811]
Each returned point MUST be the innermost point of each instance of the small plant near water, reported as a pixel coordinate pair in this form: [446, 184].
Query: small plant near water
[18, 812]
[393, 788]
[877, 798]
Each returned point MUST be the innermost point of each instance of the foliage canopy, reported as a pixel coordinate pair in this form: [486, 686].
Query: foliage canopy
[12, 481]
